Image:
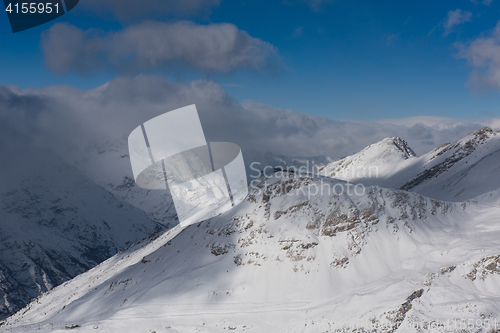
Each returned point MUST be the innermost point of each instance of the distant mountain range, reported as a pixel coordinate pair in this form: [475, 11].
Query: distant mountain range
[417, 249]
[455, 171]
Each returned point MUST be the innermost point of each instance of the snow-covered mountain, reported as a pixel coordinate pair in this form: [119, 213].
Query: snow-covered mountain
[375, 162]
[107, 163]
[455, 171]
[60, 218]
[55, 223]
[295, 259]
[258, 161]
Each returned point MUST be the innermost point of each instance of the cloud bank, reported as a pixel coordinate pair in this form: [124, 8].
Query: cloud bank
[153, 45]
[483, 55]
[67, 120]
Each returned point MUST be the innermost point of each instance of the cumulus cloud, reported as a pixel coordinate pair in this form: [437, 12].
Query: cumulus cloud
[126, 10]
[454, 18]
[152, 45]
[483, 55]
[67, 120]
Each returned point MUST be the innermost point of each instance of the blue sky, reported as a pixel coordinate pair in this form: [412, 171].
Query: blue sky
[338, 59]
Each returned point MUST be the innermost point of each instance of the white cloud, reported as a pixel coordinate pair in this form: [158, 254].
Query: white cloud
[454, 18]
[66, 119]
[152, 45]
[483, 55]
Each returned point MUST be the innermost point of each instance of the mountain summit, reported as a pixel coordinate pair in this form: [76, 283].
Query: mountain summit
[456, 171]
[370, 163]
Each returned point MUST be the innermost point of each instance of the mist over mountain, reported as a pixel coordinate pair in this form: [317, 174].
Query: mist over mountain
[369, 133]
[53, 185]
[68, 147]
[66, 119]
[56, 223]
[307, 253]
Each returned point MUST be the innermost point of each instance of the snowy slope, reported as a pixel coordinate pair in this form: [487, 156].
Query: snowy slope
[82, 199]
[377, 161]
[107, 163]
[55, 223]
[289, 259]
[456, 171]
[258, 161]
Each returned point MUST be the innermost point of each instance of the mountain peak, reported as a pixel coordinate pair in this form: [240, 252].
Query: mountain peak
[481, 134]
[402, 146]
[478, 137]
[463, 156]
[483, 131]
[381, 155]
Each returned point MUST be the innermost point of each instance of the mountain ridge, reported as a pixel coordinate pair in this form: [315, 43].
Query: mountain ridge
[297, 249]
[454, 171]
[373, 257]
